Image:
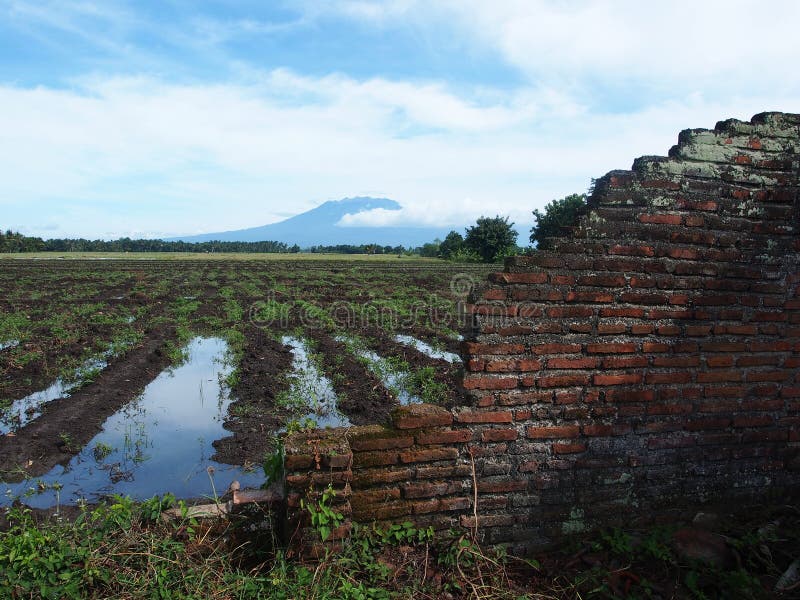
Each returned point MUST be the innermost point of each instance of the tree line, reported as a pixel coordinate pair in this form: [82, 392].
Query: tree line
[489, 240]
[492, 239]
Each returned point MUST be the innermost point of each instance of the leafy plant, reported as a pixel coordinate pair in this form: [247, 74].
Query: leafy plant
[491, 238]
[557, 215]
[323, 518]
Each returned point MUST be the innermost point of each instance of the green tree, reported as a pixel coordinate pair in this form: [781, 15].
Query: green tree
[491, 238]
[451, 245]
[557, 215]
[431, 249]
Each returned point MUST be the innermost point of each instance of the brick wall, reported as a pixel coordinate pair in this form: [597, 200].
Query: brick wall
[648, 362]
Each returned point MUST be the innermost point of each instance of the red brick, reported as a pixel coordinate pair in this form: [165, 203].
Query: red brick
[495, 294]
[572, 363]
[562, 280]
[503, 366]
[555, 348]
[573, 448]
[518, 277]
[655, 347]
[428, 489]
[475, 365]
[499, 435]
[375, 459]
[561, 312]
[600, 280]
[681, 377]
[505, 416]
[549, 432]
[640, 298]
[598, 430]
[719, 376]
[769, 375]
[626, 396]
[475, 348]
[670, 409]
[429, 455]
[660, 219]
[631, 250]
[440, 504]
[626, 379]
[361, 444]
[753, 421]
[610, 348]
[476, 382]
[502, 487]
[716, 362]
[706, 424]
[724, 347]
[415, 416]
[670, 330]
[429, 438]
[624, 362]
[611, 328]
[676, 361]
[550, 381]
[627, 312]
[757, 360]
[694, 221]
[598, 297]
[639, 329]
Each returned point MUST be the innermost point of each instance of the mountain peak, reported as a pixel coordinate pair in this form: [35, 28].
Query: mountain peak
[317, 227]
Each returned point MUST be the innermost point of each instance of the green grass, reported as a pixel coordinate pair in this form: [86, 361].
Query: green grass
[170, 256]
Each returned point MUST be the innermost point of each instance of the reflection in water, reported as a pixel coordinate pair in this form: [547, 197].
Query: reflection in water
[9, 344]
[427, 349]
[159, 443]
[313, 387]
[23, 411]
[392, 377]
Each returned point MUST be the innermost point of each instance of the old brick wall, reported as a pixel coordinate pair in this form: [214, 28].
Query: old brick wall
[648, 362]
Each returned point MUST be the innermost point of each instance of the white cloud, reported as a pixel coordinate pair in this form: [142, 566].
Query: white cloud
[142, 154]
[670, 48]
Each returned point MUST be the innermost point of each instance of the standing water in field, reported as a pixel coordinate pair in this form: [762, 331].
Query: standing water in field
[23, 411]
[159, 443]
[311, 389]
[8, 344]
[392, 377]
[427, 349]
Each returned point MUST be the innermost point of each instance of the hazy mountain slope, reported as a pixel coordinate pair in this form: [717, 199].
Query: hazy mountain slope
[318, 227]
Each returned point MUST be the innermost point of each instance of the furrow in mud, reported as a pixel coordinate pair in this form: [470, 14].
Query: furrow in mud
[362, 397]
[253, 417]
[444, 372]
[67, 424]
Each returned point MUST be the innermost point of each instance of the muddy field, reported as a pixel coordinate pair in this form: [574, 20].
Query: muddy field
[304, 343]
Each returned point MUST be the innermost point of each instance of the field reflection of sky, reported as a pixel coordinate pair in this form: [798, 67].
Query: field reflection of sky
[159, 443]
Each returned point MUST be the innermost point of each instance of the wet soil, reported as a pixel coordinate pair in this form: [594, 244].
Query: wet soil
[67, 424]
[444, 372]
[253, 417]
[362, 396]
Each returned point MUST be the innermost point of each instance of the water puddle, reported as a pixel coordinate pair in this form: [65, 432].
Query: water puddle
[9, 344]
[393, 378]
[159, 443]
[310, 389]
[23, 411]
[427, 349]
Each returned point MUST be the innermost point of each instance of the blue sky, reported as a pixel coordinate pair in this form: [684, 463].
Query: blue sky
[150, 119]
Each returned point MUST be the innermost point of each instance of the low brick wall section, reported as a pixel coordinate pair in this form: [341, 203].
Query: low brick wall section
[646, 362]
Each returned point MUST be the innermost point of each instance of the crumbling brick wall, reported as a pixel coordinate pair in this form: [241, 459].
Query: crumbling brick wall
[649, 360]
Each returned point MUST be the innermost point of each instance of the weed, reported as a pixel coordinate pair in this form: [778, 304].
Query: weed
[101, 451]
[323, 518]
